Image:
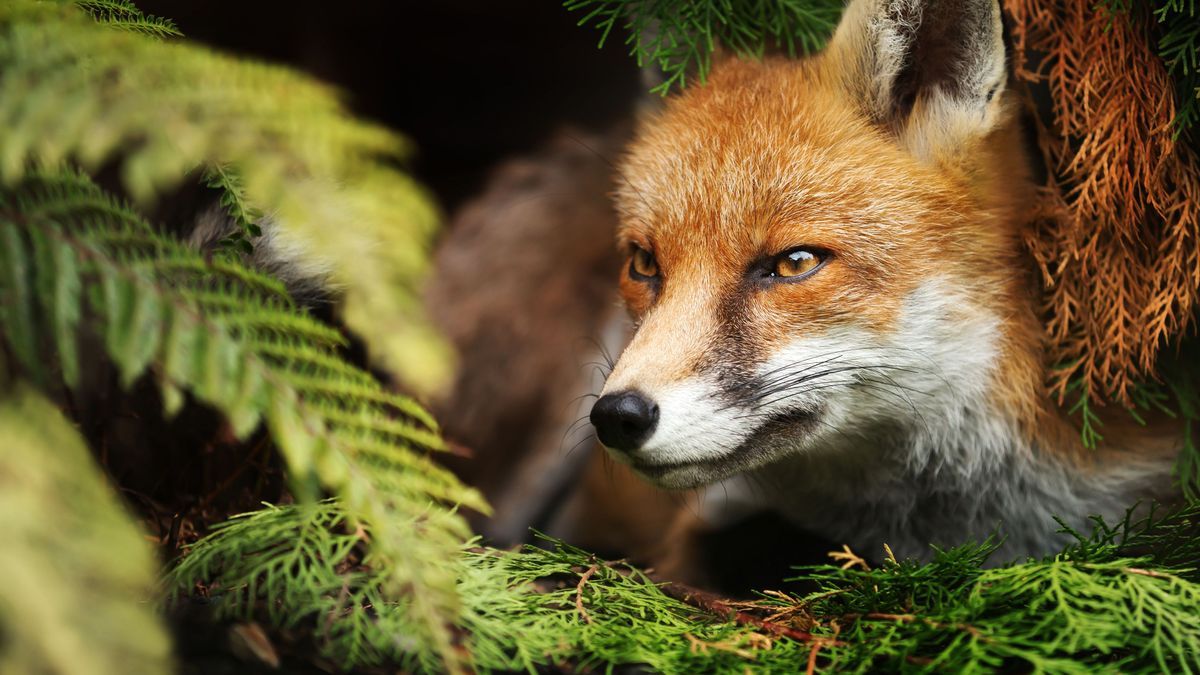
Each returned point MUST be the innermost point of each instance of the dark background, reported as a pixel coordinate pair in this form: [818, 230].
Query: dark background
[470, 81]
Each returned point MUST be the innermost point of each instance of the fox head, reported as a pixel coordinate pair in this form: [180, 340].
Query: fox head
[824, 253]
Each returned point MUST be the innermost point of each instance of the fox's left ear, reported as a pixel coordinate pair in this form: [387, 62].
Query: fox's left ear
[932, 71]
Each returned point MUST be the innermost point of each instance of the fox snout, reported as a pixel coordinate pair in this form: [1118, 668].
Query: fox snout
[624, 420]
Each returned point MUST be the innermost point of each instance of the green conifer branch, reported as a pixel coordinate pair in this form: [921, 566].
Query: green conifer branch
[1090, 423]
[1101, 603]
[679, 36]
[1179, 48]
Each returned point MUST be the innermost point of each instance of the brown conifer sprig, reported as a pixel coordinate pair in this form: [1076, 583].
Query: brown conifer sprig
[1117, 228]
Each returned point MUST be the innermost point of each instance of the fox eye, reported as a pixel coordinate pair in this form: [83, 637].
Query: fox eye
[796, 263]
[642, 264]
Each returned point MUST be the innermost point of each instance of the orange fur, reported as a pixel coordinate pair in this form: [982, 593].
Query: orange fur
[911, 181]
[812, 169]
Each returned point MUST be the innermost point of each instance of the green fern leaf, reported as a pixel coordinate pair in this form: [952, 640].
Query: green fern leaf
[125, 15]
[151, 299]
[236, 205]
[59, 285]
[74, 89]
[17, 297]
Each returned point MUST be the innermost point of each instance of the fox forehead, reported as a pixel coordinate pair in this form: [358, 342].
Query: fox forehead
[769, 155]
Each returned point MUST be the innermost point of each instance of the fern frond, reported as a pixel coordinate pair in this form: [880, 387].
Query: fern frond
[72, 89]
[76, 576]
[335, 425]
[124, 15]
[234, 201]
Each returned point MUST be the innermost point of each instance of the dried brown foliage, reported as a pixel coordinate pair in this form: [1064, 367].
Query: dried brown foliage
[1117, 227]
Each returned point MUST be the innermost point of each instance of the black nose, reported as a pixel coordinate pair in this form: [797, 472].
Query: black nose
[624, 420]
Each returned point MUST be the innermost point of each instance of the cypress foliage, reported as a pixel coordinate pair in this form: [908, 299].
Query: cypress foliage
[1104, 603]
[1118, 224]
[678, 37]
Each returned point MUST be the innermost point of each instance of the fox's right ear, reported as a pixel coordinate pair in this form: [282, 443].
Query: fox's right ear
[932, 71]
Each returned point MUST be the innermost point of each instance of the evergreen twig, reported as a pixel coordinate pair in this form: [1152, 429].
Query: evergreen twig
[1103, 602]
[679, 36]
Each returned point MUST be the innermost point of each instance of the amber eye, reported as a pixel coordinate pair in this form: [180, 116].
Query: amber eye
[796, 263]
[643, 265]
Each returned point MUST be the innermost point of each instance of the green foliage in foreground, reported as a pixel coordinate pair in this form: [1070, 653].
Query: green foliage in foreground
[678, 36]
[1105, 603]
[75, 263]
[1101, 604]
[85, 280]
[124, 15]
[101, 88]
[76, 576]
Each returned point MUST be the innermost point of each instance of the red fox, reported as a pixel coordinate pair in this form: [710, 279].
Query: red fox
[835, 316]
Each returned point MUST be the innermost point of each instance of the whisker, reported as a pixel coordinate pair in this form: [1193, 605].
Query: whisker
[832, 371]
[575, 427]
[578, 398]
[603, 374]
[792, 394]
[905, 390]
[755, 400]
[580, 443]
[598, 365]
[851, 382]
[605, 355]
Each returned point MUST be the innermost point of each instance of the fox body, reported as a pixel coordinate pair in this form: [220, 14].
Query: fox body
[835, 315]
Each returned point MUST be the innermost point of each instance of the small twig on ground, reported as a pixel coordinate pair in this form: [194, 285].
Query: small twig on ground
[698, 646]
[812, 658]
[583, 579]
[343, 596]
[714, 604]
[910, 618]
[1147, 573]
